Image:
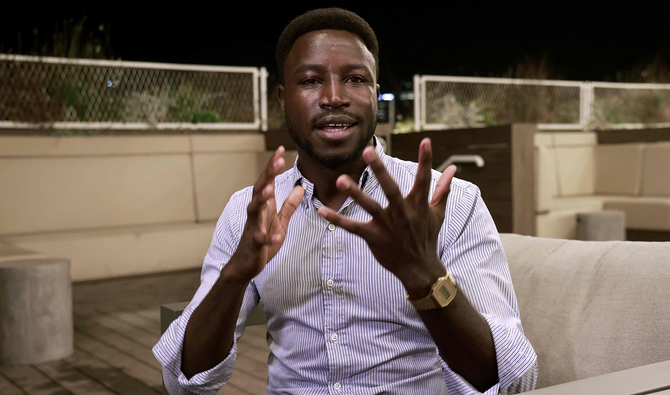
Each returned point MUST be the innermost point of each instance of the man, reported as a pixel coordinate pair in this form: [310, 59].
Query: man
[378, 276]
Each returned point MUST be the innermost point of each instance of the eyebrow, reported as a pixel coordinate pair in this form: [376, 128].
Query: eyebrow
[318, 67]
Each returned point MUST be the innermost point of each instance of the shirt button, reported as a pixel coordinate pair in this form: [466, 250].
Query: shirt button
[331, 227]
[337, 386]
[333, 337]
[330, 282]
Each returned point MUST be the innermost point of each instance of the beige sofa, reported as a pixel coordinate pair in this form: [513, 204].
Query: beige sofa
[591, 308]
[574, 174]
[123, 205]
[588, 308]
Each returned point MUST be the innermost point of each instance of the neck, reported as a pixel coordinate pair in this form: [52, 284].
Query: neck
[324, 178]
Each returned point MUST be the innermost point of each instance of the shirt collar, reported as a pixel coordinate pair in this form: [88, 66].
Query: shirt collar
[368, 181]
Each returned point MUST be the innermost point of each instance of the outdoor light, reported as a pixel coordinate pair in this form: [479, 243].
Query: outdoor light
[386, 96]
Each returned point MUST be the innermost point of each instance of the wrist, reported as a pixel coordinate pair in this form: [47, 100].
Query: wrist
[419, 283]
[233, 273]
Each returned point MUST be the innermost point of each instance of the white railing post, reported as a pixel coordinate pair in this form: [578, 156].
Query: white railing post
[417, 103]
[588, 105]
[256, 89]
[583, 101]
[264, 99]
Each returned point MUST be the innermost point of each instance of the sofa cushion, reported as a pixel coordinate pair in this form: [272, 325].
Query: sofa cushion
[590, 308]
[543, 139]
[566, 139]
[576, 170]
[589, 203]
[618, 169]
[656, 167]
[642, 212]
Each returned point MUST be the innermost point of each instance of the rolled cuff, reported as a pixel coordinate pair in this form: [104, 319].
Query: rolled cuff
[168, 351]
[514, 354]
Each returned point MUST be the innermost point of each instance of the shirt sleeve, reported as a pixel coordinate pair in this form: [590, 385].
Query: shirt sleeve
[168, 350]
[477, 261]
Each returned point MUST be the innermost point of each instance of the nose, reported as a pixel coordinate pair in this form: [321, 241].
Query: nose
[334, 94]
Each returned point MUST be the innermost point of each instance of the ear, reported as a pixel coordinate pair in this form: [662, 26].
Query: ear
[281, 95]
[379, 90]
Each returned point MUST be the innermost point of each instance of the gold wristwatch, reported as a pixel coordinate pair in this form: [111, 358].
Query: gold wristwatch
[441, 294]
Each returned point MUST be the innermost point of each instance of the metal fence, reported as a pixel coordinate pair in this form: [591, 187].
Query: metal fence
[442, 102]
[37, 92]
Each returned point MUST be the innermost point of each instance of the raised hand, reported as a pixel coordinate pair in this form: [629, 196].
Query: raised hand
[265, 229]
[402, 236]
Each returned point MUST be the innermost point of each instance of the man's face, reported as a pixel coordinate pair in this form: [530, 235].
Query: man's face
[329, 97]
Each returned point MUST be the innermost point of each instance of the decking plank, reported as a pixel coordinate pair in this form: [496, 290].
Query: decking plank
[119, 341]
[111, 377]
[112, 316]
[134, 319]
[132, 366]
[151, 313]
[8, 388]
[72, 379]
[33, 381]
[138, 334]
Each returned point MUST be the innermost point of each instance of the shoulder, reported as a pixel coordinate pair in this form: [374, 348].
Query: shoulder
[403, 169]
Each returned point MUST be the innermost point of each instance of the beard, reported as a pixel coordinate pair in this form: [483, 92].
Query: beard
[330, 162]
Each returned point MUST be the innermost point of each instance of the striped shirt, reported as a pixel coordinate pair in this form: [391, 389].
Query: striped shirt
[337, 321]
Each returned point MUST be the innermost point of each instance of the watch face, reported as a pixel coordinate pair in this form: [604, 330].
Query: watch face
[445, 292]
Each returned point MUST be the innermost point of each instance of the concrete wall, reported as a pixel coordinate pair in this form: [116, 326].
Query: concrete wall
[123, 205]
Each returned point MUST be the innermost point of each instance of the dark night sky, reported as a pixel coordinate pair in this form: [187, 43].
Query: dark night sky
[583, 40]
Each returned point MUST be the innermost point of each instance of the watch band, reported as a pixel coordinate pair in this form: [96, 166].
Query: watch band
[441, 294]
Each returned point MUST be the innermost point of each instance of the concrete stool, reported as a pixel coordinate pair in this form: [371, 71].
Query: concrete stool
[35, 307]
[601, 225]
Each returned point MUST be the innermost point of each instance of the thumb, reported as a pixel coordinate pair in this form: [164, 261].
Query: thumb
[291, 204]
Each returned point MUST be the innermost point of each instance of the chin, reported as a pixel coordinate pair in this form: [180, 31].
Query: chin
[329, 155]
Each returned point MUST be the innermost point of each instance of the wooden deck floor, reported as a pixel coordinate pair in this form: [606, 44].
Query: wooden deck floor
[116, 324]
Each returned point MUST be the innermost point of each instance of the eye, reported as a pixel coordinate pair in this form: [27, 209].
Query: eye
[356, 79]
[309, 81]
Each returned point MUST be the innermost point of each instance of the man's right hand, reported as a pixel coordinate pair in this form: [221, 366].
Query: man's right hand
[265, 230]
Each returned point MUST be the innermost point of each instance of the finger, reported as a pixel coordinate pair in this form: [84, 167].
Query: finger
[389, 186]
[439, 201]
[290, 205]
[260, 239]
[263, 189]
[273, 167]
[345, 223]
[345, 184]
[423, 176]
[258, 201]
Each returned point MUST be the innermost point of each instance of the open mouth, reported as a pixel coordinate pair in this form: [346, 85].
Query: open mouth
[336, 127]
[335, 131]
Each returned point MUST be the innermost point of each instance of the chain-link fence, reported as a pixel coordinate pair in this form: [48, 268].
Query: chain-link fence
[629, 105]
[457, 102]
[91, 94]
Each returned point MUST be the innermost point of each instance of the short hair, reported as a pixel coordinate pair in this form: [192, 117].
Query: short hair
[321, 19]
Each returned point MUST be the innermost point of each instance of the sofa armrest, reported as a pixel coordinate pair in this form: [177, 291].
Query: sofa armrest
[170, 311]
[647, 379]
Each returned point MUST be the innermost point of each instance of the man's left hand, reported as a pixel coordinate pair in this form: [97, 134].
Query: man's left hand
[402, 236]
